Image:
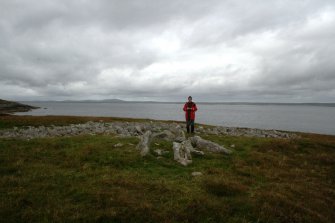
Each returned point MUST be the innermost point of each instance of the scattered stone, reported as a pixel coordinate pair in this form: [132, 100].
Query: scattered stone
[169, 131]
[194, 174]
[120, 130]
[159, 152]
[146, 131]
[118, 145]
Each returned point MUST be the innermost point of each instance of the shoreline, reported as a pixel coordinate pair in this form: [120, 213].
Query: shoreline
[50, 126]
[10, 107]
[60, 120]
[310, 119]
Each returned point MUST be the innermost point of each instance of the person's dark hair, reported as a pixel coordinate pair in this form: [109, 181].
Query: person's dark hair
[189, 97]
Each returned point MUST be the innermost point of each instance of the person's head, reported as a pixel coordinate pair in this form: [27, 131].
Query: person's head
[189, 98]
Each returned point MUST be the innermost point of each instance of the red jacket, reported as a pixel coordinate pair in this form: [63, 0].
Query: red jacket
[193, 107]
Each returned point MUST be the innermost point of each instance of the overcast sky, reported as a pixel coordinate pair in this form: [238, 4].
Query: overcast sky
[214, 50]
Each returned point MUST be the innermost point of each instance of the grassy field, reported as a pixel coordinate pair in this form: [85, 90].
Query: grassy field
[88, 179]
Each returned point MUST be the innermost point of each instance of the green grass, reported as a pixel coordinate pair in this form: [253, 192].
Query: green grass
[10, 121]
[87, 179]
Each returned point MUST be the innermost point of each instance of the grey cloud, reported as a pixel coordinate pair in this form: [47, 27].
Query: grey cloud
[215, 50]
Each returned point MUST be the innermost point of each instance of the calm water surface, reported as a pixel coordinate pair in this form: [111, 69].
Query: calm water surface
[303, 118]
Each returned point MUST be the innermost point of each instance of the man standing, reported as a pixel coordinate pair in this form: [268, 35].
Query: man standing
[190, 108]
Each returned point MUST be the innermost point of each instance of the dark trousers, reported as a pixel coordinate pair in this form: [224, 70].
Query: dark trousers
[190, 123]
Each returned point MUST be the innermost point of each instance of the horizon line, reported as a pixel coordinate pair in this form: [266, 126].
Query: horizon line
[152, 101]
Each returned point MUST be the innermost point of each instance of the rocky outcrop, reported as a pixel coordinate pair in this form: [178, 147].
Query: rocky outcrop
[168, 131]
[11, 107]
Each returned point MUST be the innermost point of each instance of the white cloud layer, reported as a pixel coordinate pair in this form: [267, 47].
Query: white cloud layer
[274, 51]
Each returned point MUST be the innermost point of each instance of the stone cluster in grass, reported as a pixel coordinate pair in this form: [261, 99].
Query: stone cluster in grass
[168, 129]
[183, 147]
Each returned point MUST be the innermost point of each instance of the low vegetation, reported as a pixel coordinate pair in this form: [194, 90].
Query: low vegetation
[10, 121]
[104, 179]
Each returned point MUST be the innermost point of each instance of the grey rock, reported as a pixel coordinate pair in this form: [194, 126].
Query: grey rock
[118, 145]
[125, 129]
[144, 143]
[166, 135]
[138, 129]
[158, 152]
[176, 148]
[182, 152]
[119, 129]
[195, 174]
[203, 144]
[180, 139]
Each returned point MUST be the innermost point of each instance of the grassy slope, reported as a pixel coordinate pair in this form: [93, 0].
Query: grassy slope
[86, 178]
[20, 121]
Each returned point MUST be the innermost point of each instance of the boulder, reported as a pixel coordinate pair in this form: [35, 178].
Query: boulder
[165, 134]
[187, 145]
[179, 133]
[203, 144]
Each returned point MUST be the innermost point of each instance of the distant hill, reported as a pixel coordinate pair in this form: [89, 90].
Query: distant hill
[11, 106]
[95, 101]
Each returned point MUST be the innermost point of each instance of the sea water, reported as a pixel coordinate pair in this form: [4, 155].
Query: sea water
[290, 117]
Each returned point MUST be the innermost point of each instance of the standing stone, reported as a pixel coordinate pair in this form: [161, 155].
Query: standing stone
[181, 153]
[176, 148]
[144, 143]
[138, 129]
